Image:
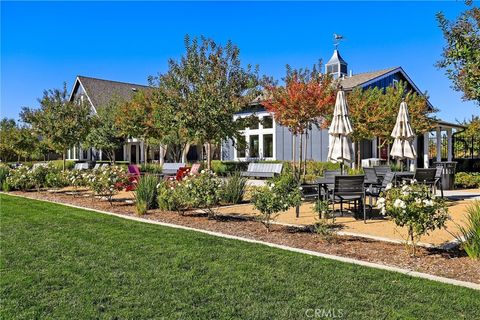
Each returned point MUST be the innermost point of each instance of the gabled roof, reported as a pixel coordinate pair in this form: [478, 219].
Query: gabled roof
[100, 91]
[360, 79]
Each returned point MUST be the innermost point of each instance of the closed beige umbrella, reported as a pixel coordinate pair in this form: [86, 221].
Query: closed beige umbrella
[340, 148]
[402, 132]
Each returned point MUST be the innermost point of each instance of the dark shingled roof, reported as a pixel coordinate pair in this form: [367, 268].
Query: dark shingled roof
[361, 78]
[102, 91]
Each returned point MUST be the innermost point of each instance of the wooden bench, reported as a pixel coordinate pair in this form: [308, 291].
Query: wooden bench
[262, 170]
[170, 169]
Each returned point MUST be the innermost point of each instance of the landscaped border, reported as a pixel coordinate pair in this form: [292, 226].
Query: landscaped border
[416, 274]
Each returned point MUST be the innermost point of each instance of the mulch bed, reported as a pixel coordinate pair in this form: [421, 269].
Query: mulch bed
[451, 264]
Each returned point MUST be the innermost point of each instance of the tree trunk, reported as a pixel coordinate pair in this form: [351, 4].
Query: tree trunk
[300, 159]
[359, 160]
[162, 153]
[305, 155]
[64, 158]
[388, 153]
[209, 155]
[145, 152]
[294, 154]
[113, 157]
[185, 152]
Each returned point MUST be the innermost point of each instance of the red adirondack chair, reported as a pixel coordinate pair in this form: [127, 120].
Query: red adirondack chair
[133, 177]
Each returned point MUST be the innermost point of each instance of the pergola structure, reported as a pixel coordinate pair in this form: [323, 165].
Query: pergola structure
[440, 128]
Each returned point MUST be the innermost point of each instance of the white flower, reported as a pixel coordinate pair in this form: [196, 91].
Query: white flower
[399, 203]
[202, 172]
[383, 211]
[413, 181]
[418, 201]
[388, 187]
[428, 203]
[405, 187]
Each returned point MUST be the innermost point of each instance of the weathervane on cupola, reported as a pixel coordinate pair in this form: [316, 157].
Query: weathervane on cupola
[336, 66]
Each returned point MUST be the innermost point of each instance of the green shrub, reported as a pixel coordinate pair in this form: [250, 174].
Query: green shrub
[223, 168]
[173, 196]
[4, 172]
[470, 233]
[233, 188]
[467, 180]
[413, 206]
[5, 186]
[58, 164]
[315, 169]
[278, 195]
[106, 181]
[56, 179]
[205, 191]
[38, 176]
[151, 168]
[20, 179]
[146, 194]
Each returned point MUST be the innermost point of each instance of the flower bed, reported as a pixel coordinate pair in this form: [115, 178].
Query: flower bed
[452, 264]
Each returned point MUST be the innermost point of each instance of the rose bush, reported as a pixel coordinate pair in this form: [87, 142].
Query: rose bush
[415, 207]
[277, 196]
[107, 181]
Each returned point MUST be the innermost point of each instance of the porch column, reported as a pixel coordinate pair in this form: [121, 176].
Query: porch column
[426, 141]
[449, 144]
[374, 148]
[126, 152]
[439, 144]
[100, 155]
[142, 152]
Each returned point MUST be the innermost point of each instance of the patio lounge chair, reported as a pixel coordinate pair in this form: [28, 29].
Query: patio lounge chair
[262, 170]
[97, 166]
[349, 189]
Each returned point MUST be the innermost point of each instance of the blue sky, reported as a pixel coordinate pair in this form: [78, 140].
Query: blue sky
[45, 44]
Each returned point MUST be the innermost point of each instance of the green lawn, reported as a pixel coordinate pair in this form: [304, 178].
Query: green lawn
[60, 262]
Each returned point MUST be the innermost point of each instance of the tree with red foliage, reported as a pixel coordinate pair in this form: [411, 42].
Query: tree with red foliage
[306, 99]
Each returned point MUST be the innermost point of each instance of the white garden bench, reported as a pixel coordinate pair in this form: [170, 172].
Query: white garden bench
[262, 170]
[81, 166]
[170, 169]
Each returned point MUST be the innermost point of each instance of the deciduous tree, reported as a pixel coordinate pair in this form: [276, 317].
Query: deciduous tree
[205, 88]
[60, 122]
[306, 99]
[461, 54]
[105, 134]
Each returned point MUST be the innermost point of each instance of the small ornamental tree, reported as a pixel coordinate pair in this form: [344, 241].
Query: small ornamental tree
[8, 132]
[60, 122]
[461, 54]
[373, 112]
[277, 196]
[414, 207]
[305, 100]
[105, 134]
[206, 88]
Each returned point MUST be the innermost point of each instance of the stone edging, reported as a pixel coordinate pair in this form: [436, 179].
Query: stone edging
[416, 274]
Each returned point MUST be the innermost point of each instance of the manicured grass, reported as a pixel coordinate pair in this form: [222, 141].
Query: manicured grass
[60, 262]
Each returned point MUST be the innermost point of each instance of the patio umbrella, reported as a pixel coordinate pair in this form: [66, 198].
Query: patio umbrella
[402, 132]
[340, 148]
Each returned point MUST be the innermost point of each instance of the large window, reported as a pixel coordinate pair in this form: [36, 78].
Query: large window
[267, 122]
[254, 149]
[258, 139]
[268, 145]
